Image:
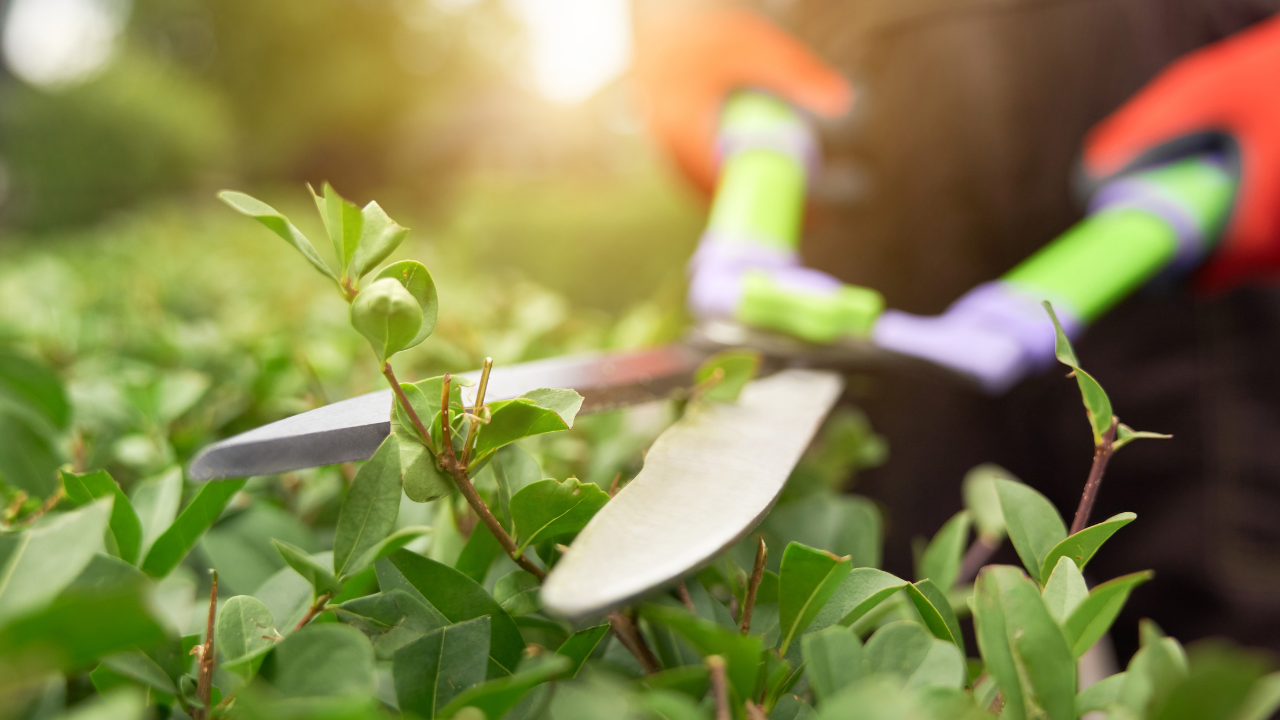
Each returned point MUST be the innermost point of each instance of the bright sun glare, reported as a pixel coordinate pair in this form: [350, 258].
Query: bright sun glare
[60, 42]
[577, 46]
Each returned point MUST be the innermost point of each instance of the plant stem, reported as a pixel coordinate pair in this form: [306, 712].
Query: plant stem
[983, 547]
[316, 609]
[755, 712]
[1102, 453]
[390, 375]
[48, 505]
[683, 592]
[208, 656]
[475, 412]
[753, 585]
[624, 628]
[719, 686]
[449, 462]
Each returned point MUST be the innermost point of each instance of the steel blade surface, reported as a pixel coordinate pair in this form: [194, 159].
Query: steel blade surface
[352, 429]
[707, 481]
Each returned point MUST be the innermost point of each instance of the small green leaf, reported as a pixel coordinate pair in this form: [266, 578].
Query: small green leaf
[384, 547]
[478, 554]
[1262, 701]
[245, 632]
[1033, 523]
[936, 611]
[913, 654]
[34, 385]
[379, 237]
[1042, 653]
[941, 559]
[1065, 590]
[740, 652]
[552, 509]
[173, 545]
[1216, 686]
[277, 224]
[833, 659]
[125, 526]
[1158, 667]
[991, 628]
[421, 476]
[983, 501]
[38, 563]
[391, 619]
[517, 592]
[858, 594]
[320, 577]
[806, 581]
[1102, 694]
[736, 369]
[388, 316]
[496, 697]
[368, 514]
[458, 598]
[415, 278]
[1126, 435]
[534, 413]
[157, 500]
[579, 646]
[135, 665]
[343, 222]
[691, 680]
[513, 469]
[1094, 615]
[1096, 403]
[323, 660]
[875, 697]
[1082, 546]
[430, 671]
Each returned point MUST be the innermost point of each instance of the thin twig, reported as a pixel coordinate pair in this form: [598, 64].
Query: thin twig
[753, 585]
[719, 686]
[472, 433]
[613, 486]
[316, 608]
[683, 592]
[449, 462]
[208, 656]
[624, 628]
[755, 712]
[1102, 453]
[48, 505]
[390, 375]
[979, 553]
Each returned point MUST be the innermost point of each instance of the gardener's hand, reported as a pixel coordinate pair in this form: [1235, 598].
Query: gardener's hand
[994, 334]
[1228, 91]
[688, 62]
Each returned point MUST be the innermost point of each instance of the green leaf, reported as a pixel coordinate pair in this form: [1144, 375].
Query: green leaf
[323, 660]
[478, 554]
[390, 619]
[1033, 523]
[991, 628]
[29, 455]
[517, 592]
[1102, 694]
[379, 237]
[935, 609]
[941, 559]
[458, 598]
[533, 413]
[156, 501]
[1093, 617]
[388, 316]
[36, 564]
[552, 509]
[875, 697]
[75, 630]
[1096, 403]
[833, 659]
[1082, 546]
[496, 697]
[1262, 701]
[135, 665]
[806, 581]
[1216, 686]
[912, 653]
[1065, 590]
[513, 469]
[736, 369]
[669, 705]
[1155, 670]
[173, 545]
[740, 652]
[842, 524]
[1126, 435]
[430, 671]
[245, 632]
[368, 514]
[277, 224]
[320, 577]
[343, 222]
[124, 704]
[424, 396]
[1042, 653]
[579, 646]
[422, 478]
[384, 547]
[691, 680]
[858, 594]
[983, 501]
[125, 527]
[415, 278]
[30, 382]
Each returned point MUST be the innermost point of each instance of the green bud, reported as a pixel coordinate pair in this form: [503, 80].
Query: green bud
[388, 315]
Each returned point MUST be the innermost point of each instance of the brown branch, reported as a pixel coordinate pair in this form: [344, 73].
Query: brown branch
[753, 586]
[683, 592]
[48, 505]
[624, 628]
[316, 608]
[390, 375]
[978, 555]
[449, 463]
[719, 686]
[208, 656]
[1102, 453]
[472, 433]
[755, 712]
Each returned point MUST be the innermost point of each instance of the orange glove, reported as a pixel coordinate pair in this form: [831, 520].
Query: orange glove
[687, 63]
